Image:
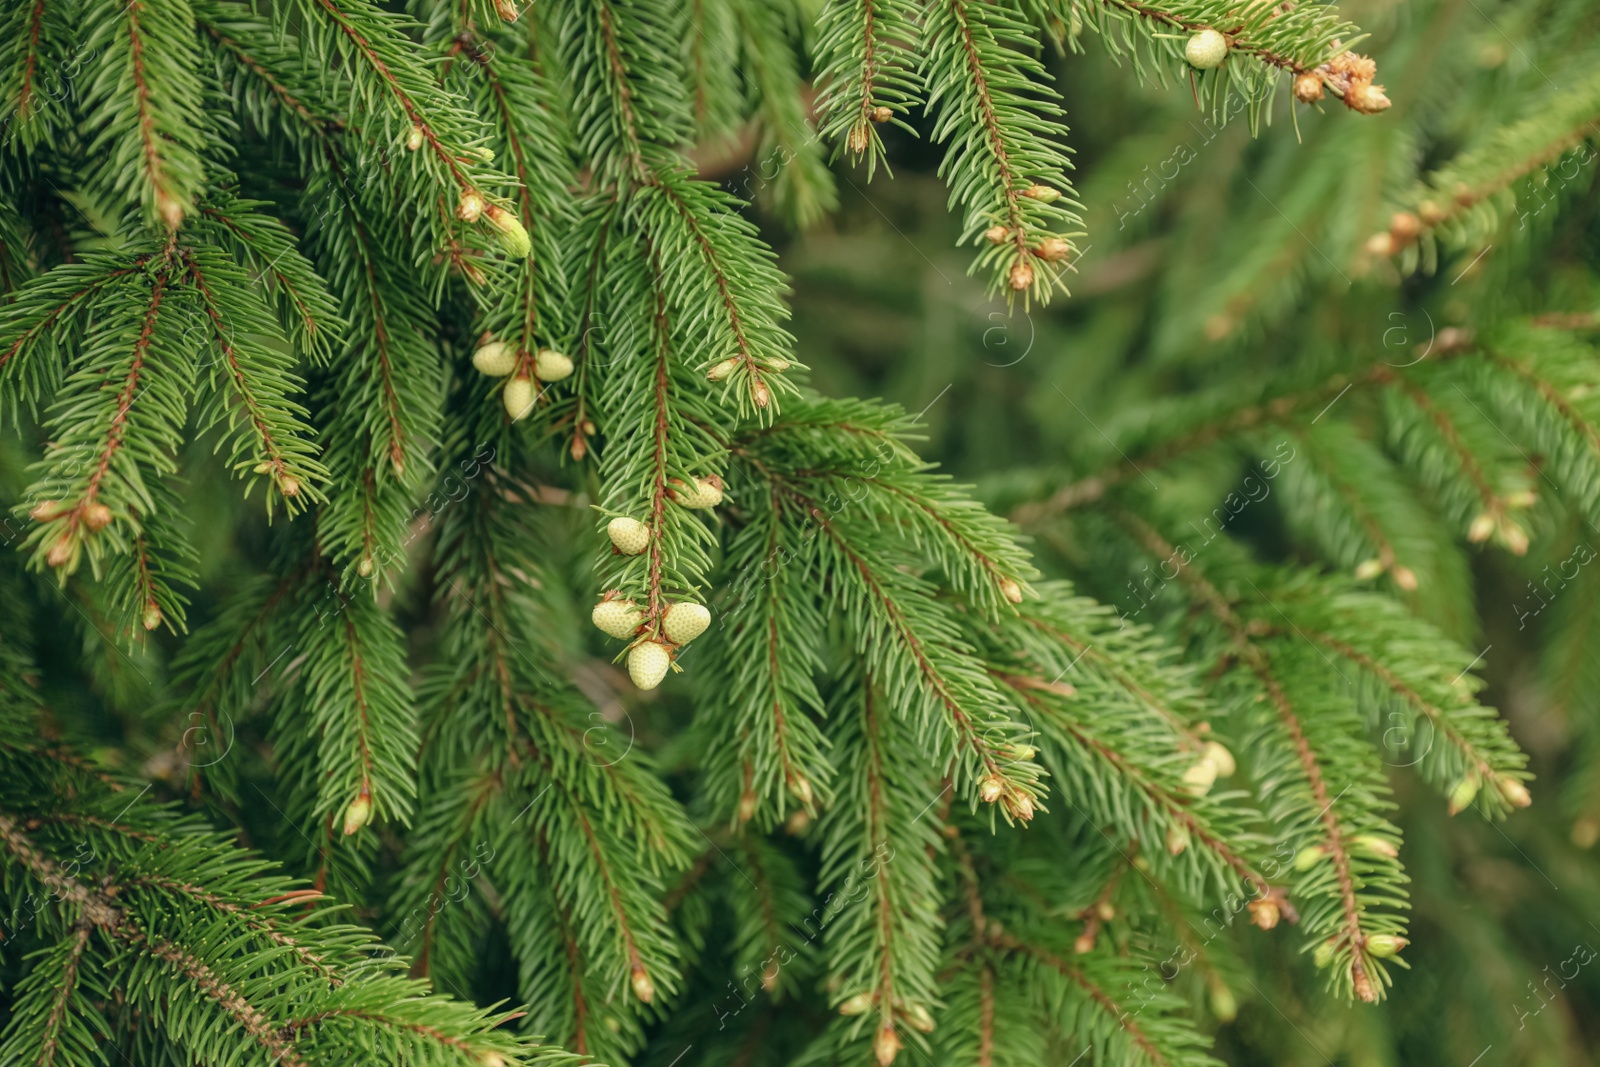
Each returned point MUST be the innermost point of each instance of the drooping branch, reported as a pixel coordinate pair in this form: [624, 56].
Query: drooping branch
[1250, 653]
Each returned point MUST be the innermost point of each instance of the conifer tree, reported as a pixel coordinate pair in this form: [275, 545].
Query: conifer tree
[447, 622]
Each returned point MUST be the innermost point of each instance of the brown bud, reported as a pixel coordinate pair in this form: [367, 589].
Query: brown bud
[1514, 791]
[1054, 249]
[1377, 846]
[1464, 793]
[151, 617]
[1380, 244]
[1308, 87]
[1362, 984]
[990, 788]
[414, 139]
[358, 813]
[997, 235]
[1483, 526]
[1011, 590]
[1366, 98]
[1021, 275]
[170, 208]
[1513, 536]
[507, 10]
[97, 516]
[747, 805]
[1404, 227]
[1431, 213]
[643, 988]
[882, 114]
[886, 1046]
[856, 1005]
[858, 139]
[289, 485]
[800, 786]
[60, 552]
[1265, 913]
[760, 394]
[45, 510]
[919, 1018]
[1043, 193]
[1083, 944]
[470, 207]
[1019, 806]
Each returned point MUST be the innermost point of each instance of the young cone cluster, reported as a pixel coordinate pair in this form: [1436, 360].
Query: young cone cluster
[650, 657]
[498, 359]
